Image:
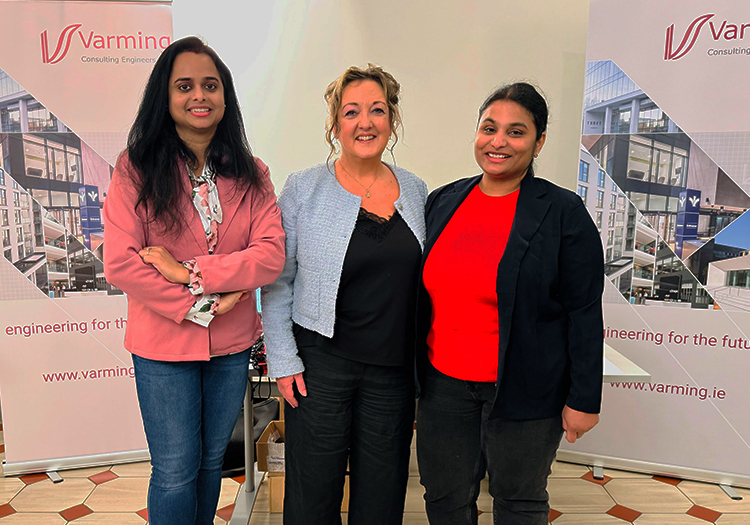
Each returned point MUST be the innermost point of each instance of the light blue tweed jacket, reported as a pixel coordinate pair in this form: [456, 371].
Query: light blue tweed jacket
[319, 216]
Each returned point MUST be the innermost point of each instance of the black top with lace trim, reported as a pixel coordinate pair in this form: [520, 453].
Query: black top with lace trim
[377, 294]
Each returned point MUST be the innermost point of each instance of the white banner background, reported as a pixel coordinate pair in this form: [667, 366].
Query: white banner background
[68, 398]
[662, 428]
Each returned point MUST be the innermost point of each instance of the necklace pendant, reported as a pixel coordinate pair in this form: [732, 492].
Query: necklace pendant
[368, 194]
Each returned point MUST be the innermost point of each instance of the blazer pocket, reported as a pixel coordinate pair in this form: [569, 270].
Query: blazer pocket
[307, 292]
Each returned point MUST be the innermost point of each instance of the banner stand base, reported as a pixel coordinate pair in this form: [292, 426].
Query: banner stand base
[52, 465]
[692, 474]
[54, 477]
[730, 492]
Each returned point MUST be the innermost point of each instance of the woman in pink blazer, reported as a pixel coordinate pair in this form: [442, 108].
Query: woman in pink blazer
[191, 230]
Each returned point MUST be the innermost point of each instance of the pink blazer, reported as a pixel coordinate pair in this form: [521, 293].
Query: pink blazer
[249, 254]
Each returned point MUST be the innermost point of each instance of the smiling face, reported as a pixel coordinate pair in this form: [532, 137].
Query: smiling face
[196, 95]
[363, 124]
[506, 141]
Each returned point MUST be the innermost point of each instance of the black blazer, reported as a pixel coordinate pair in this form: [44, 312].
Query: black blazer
[550, 282]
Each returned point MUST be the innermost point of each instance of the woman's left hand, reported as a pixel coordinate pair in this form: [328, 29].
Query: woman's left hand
[162, 260]
[576, 423]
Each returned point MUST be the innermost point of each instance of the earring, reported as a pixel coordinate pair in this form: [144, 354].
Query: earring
[536, 155]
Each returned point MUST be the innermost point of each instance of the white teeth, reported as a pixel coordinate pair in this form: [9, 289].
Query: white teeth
[200, 110]
[366, 137]
[497, 156]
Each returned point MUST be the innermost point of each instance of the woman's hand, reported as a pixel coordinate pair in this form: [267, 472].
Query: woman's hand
[162, 260]
[228, 301]
[286, 387]
[576, 423]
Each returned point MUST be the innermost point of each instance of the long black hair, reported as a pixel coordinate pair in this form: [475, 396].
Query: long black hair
[156, 151]
[526, 96]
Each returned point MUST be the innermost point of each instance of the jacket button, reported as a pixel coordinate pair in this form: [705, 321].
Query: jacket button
[400, 207]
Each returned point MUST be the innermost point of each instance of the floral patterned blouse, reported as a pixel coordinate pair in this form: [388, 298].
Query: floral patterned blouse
[205, 198]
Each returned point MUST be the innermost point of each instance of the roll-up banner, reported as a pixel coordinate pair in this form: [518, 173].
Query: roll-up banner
[71, 75]
[665, 173]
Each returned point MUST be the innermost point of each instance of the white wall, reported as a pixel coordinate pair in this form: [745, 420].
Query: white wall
[447, 57]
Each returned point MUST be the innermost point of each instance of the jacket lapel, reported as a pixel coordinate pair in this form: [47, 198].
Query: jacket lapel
[191, 214]
[230, 202]
[530, 211]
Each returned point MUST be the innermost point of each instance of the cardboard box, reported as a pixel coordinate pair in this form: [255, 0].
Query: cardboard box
[276, 493]
[270, 448]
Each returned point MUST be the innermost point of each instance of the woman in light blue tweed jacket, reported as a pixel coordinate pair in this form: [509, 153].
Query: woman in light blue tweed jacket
[339, 321]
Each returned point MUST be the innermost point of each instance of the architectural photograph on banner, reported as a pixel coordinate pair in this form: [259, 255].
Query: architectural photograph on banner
[685, 196]
[723, 266]
[638, 262]
[50, 205]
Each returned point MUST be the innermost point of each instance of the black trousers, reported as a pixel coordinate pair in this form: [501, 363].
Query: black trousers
[457, 445]
[354, 412]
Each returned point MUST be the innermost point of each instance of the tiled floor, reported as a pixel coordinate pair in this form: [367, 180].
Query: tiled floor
[116, 495]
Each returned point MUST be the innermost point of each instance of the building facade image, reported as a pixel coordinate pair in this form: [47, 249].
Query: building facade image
[638, 263]
[613, 103]
[49, 200]
[728, 281]
[652, 160]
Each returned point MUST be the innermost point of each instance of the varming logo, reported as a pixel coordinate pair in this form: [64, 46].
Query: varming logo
[99, 42]
[64, 40]
[724, 31]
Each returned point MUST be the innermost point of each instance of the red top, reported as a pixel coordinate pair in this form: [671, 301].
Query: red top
[460, 275]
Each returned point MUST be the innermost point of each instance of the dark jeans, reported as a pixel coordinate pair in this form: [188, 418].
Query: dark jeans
[356, 412]
[457, 445]
[189, 409]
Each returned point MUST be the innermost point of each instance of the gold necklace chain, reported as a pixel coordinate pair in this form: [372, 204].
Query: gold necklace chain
[367, 188]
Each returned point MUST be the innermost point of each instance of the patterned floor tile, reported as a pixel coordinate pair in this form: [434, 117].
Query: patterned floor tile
[712, 497]
[668, 519]
[578, 496]
[9, 488]
[119, 495]
[46, 496]
[668, 480]
[102, 477]
[587, 519]
[733, 519]
[33, 478]
[110, 518]
[624, 513]
[589, 476]
[647, 495]
[561, 469]
[414, 496]
[6, 510]
[261, 518]
[140, 469]
[35, 518]
[704, 513]
[229, 490]
[73, 513]
[225, 513]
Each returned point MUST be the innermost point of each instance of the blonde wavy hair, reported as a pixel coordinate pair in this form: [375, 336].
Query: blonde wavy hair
[335, 91]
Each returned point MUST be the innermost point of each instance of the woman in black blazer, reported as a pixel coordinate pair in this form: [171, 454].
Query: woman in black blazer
[510, 322]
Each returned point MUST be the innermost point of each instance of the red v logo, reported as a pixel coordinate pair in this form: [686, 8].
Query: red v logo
[688, 40]
[63, 45]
